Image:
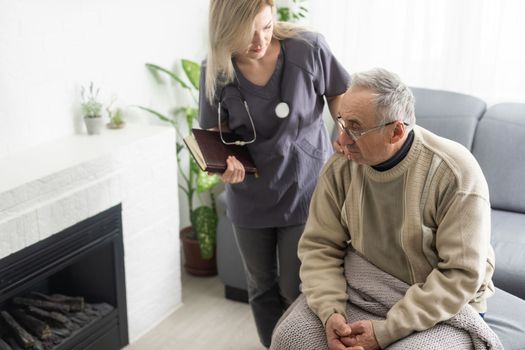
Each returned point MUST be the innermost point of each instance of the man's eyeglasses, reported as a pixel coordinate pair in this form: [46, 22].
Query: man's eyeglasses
[355, 134]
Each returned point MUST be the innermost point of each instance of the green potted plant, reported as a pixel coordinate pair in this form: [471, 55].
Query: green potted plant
[91, 109]
[198, 240]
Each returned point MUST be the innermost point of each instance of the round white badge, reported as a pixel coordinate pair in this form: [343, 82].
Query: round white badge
[282, 110]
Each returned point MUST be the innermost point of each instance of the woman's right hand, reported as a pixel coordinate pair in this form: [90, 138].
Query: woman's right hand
[234, 172]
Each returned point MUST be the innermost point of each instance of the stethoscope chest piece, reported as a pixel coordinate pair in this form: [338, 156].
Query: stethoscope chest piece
[282, 110]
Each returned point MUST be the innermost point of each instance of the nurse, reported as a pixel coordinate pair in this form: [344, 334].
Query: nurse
[268, 81]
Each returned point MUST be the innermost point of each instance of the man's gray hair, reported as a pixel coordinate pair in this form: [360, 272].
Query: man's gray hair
[394, 100]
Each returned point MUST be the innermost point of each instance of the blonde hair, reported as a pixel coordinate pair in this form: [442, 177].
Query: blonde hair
[230, 28]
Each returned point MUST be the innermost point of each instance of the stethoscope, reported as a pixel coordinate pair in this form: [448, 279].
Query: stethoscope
[282, 109]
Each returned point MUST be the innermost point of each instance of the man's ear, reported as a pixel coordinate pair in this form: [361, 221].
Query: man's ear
[398, 132]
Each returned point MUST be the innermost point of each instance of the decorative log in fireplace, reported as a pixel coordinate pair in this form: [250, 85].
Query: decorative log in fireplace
[67, 292]
[46, 321]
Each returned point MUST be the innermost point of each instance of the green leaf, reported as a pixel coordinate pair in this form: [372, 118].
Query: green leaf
[189, 112]
[180, 110]
[191, 115]
[204, 221]
[180, 147]
[192, 112]
[158, 115]
[284, 14]
[194, 167]
[207, 182]
[154, 68]
[193, 72]
[155, 73]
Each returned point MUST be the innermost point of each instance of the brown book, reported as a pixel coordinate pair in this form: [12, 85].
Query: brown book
[210, 152]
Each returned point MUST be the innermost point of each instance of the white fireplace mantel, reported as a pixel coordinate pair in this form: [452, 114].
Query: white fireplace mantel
[48, 188]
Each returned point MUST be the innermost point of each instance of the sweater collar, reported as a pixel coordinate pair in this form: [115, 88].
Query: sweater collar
[400, 167]
[398, 157]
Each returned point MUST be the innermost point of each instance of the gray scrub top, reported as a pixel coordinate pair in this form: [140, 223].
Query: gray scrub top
[289, 152]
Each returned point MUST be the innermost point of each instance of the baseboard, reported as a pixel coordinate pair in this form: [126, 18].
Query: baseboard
[236, 294]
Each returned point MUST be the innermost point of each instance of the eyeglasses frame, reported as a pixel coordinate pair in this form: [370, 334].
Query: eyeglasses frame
[352, 133]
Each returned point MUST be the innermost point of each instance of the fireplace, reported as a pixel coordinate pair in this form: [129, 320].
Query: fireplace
[85, 260]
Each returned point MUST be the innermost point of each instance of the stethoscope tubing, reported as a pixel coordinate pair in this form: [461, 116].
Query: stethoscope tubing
[282, 109]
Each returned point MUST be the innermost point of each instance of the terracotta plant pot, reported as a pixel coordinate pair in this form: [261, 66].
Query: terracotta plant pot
[194, 263]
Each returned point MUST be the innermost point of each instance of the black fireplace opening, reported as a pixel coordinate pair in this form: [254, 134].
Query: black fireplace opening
[73, 284]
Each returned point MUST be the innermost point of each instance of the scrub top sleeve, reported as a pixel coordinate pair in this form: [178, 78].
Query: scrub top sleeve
[207, 112]
[332, 79]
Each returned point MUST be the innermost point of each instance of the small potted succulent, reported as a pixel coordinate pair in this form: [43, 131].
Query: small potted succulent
[91, 109]
[116, 121]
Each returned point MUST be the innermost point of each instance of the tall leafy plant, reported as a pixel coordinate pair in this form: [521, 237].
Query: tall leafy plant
[203, 217]
[292, 12]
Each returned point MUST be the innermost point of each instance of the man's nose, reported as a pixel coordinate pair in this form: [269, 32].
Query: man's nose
[346, 139]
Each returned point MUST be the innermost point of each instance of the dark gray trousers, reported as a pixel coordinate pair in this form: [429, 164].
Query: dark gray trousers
[272, 272]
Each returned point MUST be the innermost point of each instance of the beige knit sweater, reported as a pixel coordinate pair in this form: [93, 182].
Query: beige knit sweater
[426, 221]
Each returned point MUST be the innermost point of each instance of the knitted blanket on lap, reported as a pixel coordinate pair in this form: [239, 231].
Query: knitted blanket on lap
[372, 293]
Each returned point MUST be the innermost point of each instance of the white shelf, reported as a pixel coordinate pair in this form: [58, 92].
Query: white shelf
[46, 159]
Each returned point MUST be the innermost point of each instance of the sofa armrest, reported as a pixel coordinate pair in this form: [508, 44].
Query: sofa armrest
[508, 240]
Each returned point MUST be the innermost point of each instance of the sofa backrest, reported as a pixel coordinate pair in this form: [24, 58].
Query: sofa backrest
[448, 114]
[499, 147]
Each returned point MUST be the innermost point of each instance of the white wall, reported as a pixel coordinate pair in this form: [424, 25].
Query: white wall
[468, 46]
[48, 49]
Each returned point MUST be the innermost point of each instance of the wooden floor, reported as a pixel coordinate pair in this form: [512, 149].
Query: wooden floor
[206, 321]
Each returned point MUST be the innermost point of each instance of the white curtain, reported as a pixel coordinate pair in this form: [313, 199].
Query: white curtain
[475, 47]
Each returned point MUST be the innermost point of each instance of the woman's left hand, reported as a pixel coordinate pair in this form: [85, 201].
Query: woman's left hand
[234, 172]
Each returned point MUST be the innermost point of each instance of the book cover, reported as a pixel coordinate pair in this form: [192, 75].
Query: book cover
[210, 152]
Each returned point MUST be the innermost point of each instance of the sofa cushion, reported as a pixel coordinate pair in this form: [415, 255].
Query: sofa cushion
[508, 240]
[448, 114]
[505, 317]
[499, 147]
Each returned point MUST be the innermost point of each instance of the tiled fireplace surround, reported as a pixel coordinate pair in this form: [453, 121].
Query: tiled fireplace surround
[49, 188]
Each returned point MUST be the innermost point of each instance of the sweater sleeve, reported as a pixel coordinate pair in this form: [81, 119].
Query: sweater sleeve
[322, 249]
[462, 243]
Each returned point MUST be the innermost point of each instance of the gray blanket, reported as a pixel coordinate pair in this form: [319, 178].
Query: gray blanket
[372, 293]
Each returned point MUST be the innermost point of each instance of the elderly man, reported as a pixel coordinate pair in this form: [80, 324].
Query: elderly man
[412, 204]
